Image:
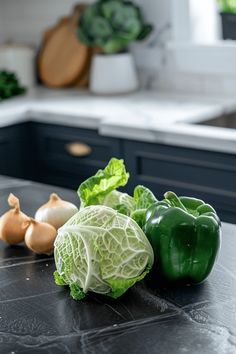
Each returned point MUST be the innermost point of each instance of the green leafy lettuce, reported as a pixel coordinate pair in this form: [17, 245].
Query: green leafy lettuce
[101, 189]
[100, 250]
[96, 188]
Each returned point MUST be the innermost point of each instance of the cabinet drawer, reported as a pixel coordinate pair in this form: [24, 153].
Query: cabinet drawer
[207, 175]
[72, 154]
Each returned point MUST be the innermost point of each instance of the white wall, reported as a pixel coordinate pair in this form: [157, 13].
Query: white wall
[1, 25]
[25, 20]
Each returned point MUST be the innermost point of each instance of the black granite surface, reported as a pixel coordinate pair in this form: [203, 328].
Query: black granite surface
[38, 317]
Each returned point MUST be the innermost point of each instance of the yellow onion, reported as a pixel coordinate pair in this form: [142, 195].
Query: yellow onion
[13, 223]
[40, 237]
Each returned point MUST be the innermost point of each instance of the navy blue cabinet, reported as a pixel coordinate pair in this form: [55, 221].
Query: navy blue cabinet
[67, 156]
[14, 144]
[207, 175]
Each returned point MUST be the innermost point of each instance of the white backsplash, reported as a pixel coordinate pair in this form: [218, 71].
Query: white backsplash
[168, 80]
[24, 21]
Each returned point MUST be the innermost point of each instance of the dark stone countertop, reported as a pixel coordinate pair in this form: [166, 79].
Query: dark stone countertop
[36, 316]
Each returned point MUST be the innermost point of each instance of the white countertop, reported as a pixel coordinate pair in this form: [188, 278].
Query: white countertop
[145, 115]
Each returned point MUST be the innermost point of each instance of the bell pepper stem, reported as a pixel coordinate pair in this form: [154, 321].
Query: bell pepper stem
[172, 198]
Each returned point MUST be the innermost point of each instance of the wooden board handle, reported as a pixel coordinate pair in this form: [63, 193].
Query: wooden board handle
[78, 149]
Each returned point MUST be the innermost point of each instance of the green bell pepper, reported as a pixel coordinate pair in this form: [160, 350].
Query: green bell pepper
[185, 234]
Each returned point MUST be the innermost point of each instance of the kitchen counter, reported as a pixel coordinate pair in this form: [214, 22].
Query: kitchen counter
[145, 116]
[36, 316]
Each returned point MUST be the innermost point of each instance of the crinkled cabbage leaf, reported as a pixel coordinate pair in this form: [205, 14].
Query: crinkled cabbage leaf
[96, 188]
[101, 189]
[100, 250]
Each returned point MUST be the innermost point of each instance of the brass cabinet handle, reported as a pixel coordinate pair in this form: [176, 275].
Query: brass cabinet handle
[78, 149]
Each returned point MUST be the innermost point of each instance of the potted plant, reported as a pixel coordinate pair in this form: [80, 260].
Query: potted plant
[228, 17]
[110, 26]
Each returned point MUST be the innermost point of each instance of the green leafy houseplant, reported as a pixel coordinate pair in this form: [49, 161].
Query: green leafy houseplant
[227, 6]
[9, 85]
[228, 17]
[112, 25]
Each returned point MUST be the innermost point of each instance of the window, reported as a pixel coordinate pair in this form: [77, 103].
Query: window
[197, 43]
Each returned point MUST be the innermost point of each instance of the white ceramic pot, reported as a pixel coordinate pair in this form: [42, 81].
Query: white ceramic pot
[20, 60]
[113, 74]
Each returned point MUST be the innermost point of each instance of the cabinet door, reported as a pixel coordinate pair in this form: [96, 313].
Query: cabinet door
[12, 150]
[207, 175]
[67, 156]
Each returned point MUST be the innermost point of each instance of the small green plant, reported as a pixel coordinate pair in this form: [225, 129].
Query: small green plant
[228, 6]
[112, 25]
[9, 85]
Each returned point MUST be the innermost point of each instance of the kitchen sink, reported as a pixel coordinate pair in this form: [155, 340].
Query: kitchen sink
[224, 121]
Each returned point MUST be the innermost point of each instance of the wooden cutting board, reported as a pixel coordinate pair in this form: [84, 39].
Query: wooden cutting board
[63, 60]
